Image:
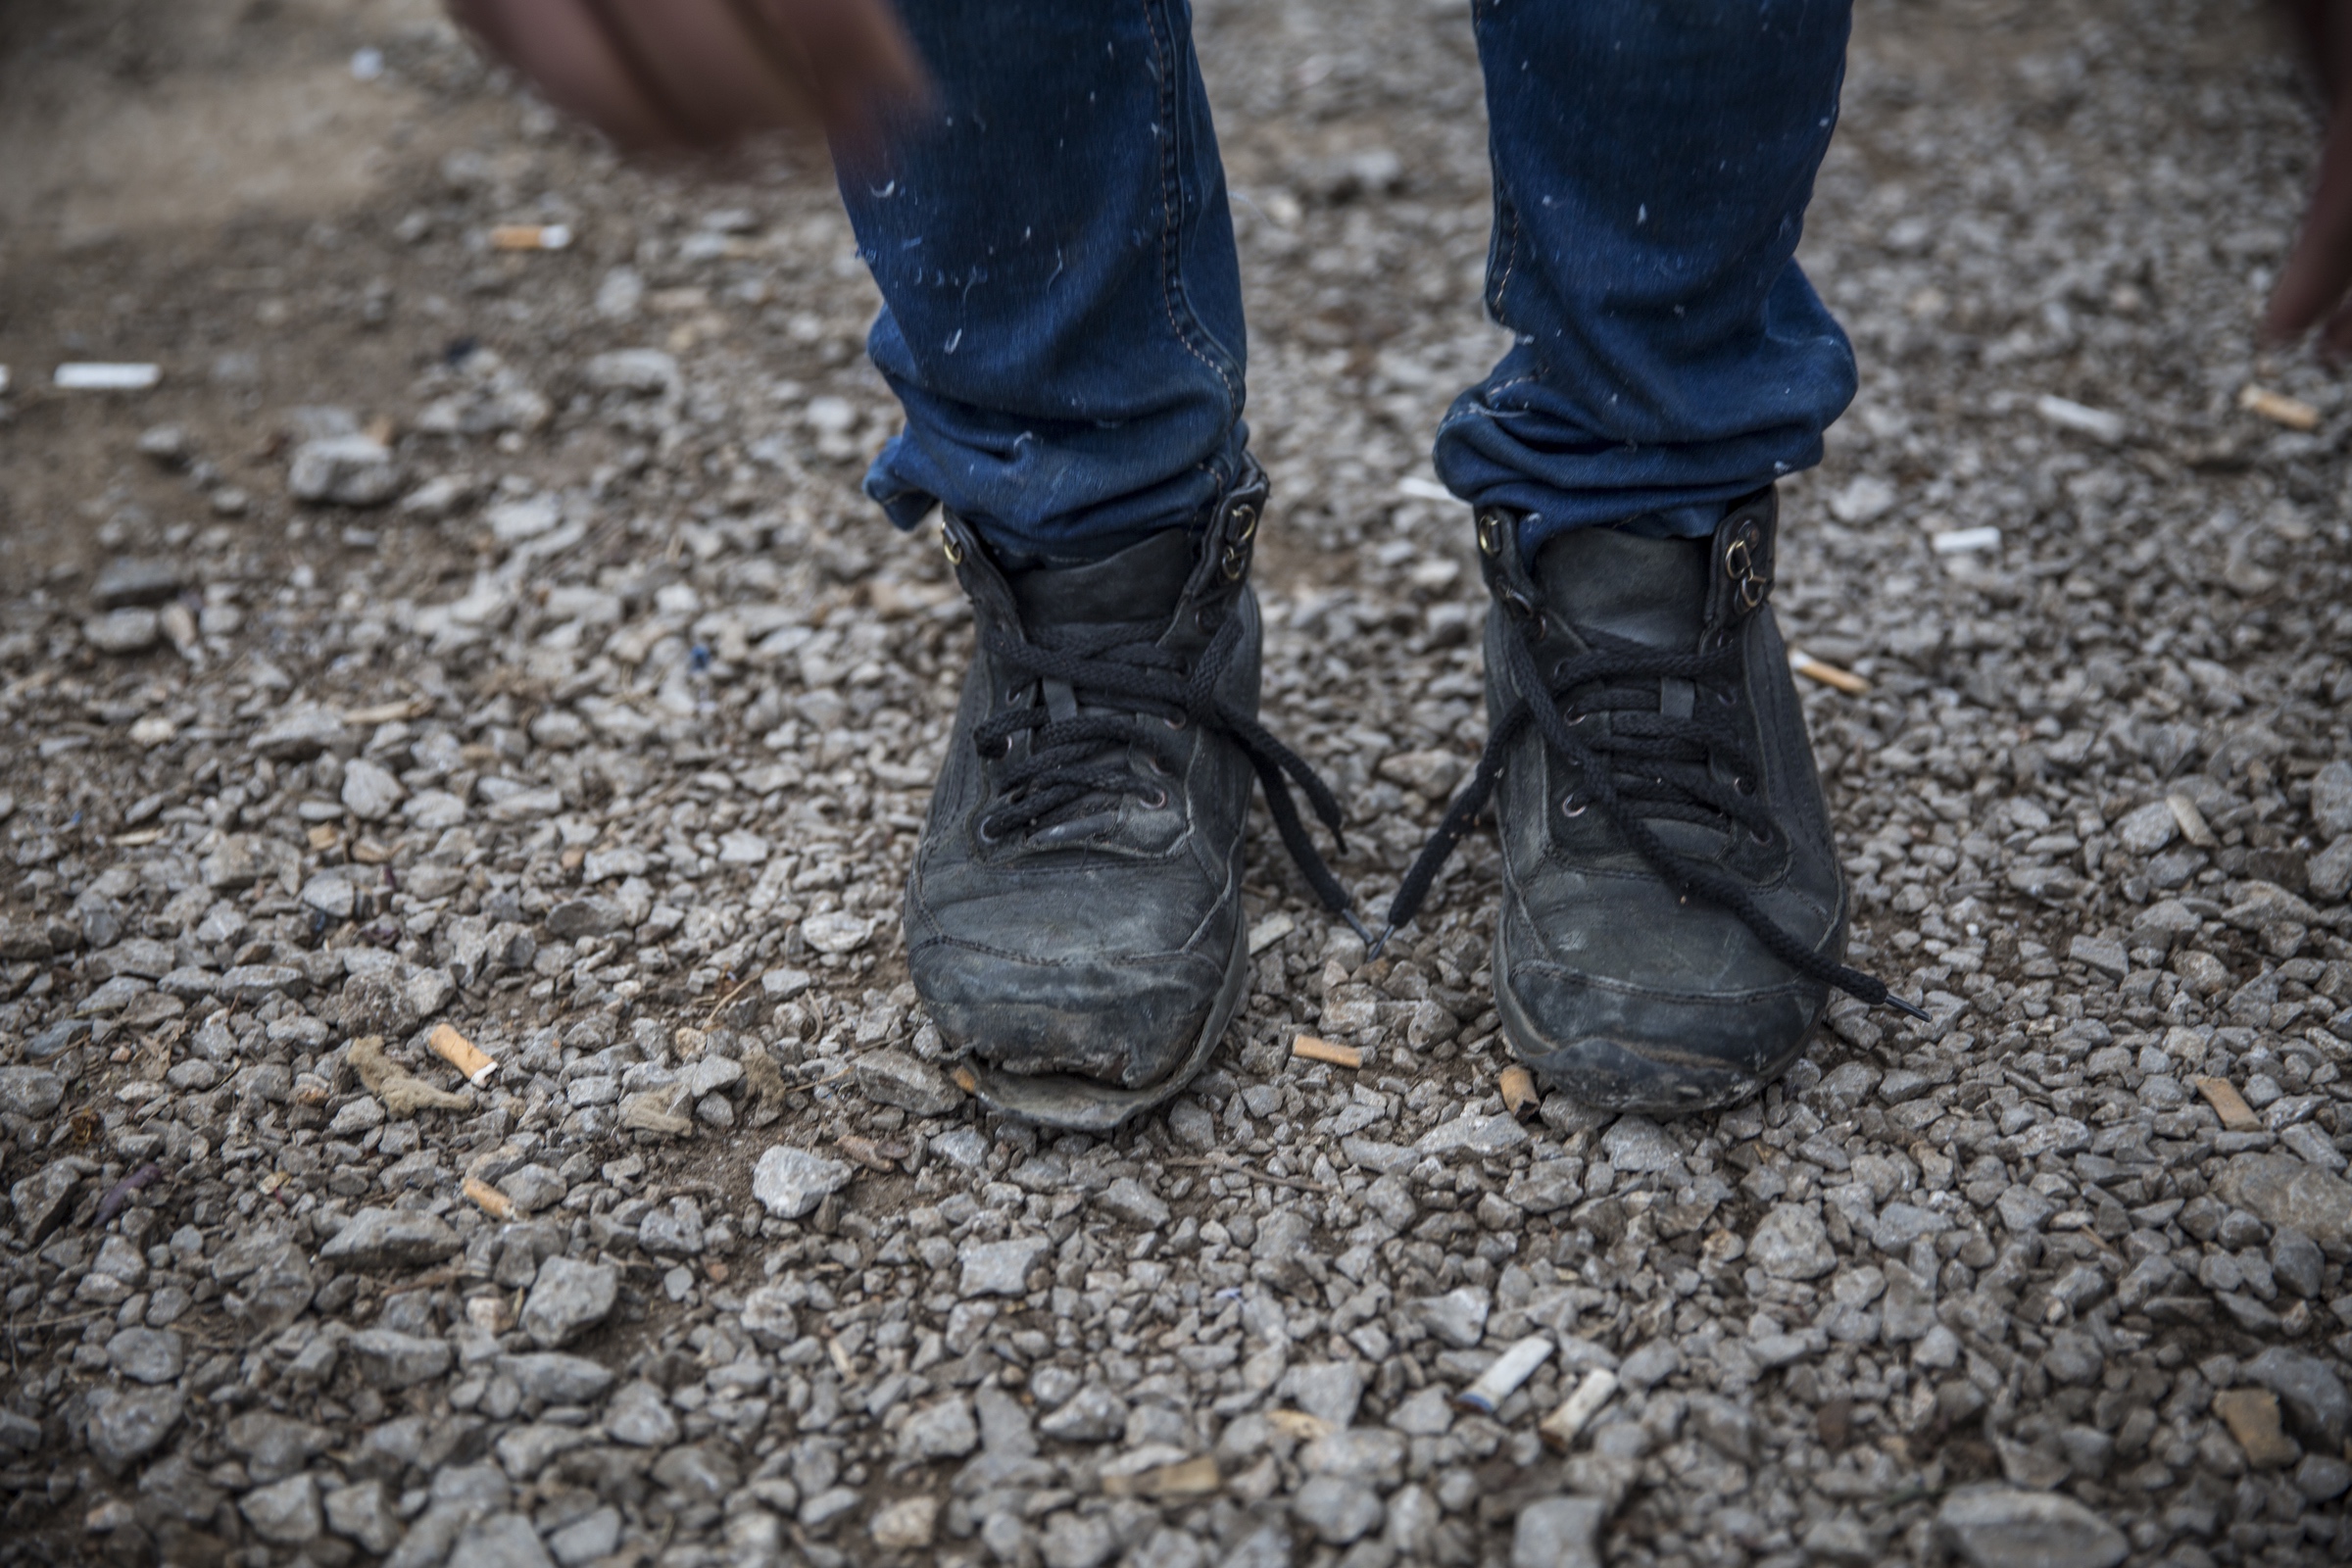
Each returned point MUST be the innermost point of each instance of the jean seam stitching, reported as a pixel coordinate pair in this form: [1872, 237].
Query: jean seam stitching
[1171, 204]
[1507, 220]
[1508, 212]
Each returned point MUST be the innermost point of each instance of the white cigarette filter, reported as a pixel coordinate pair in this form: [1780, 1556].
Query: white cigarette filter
[1559, 1429]
[88, 377]
[1501, 1380]
[1966, 541]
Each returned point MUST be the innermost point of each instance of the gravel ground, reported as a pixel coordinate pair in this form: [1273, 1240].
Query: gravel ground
[495, 641]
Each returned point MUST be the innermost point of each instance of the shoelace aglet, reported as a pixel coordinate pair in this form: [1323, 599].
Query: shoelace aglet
[1364, 934]
[1909, 1010]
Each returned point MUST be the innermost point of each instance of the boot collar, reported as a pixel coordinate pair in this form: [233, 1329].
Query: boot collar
[1141, 584]
[1664, 592]
[1220, 556]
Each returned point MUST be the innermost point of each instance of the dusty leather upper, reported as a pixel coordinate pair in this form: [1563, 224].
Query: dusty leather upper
[1618, 988]
[1103, 942]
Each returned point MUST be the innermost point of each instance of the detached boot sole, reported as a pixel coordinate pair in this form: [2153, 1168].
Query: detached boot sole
[1074, 1103]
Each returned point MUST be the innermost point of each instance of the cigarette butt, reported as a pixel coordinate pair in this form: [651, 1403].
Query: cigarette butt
[1965, 541]
[1559, 1429]
[1519, 1095]
[1188, 1478]
[530, 237]
[488, 1198]
[387, 712]
[1314, 1049]
[1830, 675]
[865, 1151]
[2191, 821]
[461, 1054]
[94, 378]
[2228, 1103]
[1501, 1380]
[2068, 414]
[2279, 408]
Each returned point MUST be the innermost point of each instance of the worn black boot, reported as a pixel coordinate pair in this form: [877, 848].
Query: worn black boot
[1673, 913]
[1074, 920]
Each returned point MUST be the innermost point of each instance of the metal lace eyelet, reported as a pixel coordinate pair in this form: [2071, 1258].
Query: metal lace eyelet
[982, 832]
[1246, 515]
[1744, 785]
[1155, 799]
[1490, 533]
[1573, 806]
[1178, 723]
[950, 548]
[1763, 838]
[1739, 564]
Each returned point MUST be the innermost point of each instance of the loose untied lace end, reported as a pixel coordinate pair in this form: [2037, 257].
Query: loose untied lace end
[1364, 934]
[1909, 1010]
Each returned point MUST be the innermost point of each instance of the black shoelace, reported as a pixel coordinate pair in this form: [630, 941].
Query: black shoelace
[1131, 692]
[1642, 765]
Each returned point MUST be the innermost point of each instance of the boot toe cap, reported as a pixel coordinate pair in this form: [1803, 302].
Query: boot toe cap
[1621, 1048]
[1068, 996]
[1653, 1034]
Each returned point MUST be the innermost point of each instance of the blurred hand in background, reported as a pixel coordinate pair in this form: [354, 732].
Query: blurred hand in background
[660, 75]
[2318, 273]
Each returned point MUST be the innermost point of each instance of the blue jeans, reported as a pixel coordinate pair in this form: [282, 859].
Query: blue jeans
[1062, 314]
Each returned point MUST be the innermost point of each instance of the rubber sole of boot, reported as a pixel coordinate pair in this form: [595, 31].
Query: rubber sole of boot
[1076, 1103]
[1609, 1075]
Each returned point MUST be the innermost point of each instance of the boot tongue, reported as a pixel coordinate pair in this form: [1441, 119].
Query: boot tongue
[1651, 590]
[1140, 585]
